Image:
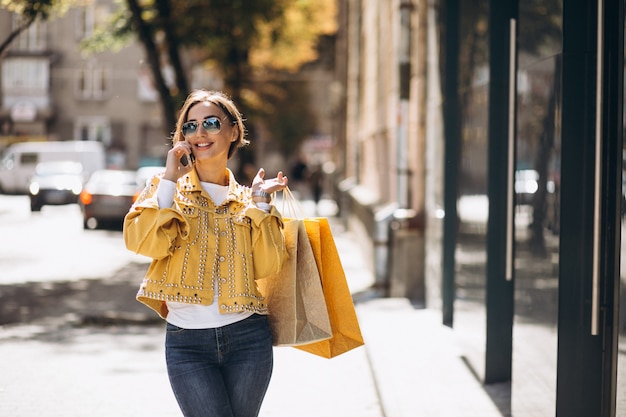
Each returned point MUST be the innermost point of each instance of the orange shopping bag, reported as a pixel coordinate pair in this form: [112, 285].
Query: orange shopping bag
[346, 332]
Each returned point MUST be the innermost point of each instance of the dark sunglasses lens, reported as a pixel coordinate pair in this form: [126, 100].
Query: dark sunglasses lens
[189, 128]
[211, 124]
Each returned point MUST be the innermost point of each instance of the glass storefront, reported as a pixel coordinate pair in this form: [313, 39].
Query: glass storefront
[621, 358]
[537, 204]
[537, 209]
[564, 175]
[472, 203]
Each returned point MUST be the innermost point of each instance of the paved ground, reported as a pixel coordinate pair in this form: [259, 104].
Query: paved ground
[76, 358]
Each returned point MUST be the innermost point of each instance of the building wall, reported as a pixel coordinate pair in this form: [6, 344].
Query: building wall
[372, 98]
[101, 96]
[380, 133]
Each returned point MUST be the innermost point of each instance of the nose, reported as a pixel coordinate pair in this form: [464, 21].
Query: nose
[201, 127]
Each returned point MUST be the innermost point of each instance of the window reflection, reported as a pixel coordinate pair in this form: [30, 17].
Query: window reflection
[537, 210]
[472, 203]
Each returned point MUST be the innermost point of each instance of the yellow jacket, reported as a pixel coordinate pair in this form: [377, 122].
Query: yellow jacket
[195, 242]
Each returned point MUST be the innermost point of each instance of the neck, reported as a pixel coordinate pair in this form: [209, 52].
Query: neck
[215, 175]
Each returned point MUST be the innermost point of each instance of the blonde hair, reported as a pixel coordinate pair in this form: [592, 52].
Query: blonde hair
[222, 101]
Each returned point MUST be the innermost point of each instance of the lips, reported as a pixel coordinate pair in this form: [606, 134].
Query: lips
[203, 145]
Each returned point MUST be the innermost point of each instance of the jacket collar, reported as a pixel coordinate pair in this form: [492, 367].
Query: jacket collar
[190, 184]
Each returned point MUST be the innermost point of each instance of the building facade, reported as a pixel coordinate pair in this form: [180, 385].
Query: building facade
[384, 61]
[481, 159]
[52, 90]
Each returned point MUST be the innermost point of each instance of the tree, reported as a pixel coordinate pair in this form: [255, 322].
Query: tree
[237, 37]
[29, 11]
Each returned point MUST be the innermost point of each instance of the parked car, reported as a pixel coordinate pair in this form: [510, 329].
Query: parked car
[55, 183]
[107, 197]
[18, 161]
[526, 185]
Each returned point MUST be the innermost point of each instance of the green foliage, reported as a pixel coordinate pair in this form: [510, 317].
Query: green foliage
[290, 40]
[39, 9]
[240, 39]
[29, 11]
[113, 36]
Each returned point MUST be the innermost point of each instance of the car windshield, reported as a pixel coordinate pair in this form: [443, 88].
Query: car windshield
[59, 168]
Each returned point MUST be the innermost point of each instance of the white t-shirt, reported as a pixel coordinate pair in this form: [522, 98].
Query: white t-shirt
[197, 316]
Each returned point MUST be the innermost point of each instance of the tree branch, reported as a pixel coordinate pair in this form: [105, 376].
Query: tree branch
[152, 55]
[165, 14]
[4, 47]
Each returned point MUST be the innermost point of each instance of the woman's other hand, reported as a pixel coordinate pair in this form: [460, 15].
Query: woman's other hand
[259, 183]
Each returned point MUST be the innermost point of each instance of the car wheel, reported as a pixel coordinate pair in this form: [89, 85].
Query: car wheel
[34, 204]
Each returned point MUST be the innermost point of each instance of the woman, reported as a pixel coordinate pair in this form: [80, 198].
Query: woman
[210, 238]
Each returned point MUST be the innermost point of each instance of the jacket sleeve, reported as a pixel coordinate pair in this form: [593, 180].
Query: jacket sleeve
[268, 241]
[150, 230]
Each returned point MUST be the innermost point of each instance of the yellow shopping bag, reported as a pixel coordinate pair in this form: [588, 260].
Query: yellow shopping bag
[346, 332]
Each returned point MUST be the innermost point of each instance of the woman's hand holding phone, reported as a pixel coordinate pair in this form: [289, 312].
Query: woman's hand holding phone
[179, 161]
[184, 160]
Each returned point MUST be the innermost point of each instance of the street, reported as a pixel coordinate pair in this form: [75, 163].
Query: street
[51, 245]
[66, 298]
[75, 342]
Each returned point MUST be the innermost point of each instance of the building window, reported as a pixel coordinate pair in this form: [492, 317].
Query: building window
[32, 39]
[84, 21]
[89, 17]
[92, 81]
[95, 128]
[145, 86]
[146, 90]
[25, 76]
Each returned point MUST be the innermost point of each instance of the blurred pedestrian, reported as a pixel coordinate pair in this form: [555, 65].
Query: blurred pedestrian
[210, 238]
[316, 182]
[298, 174]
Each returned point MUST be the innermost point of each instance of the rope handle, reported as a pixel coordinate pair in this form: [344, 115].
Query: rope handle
[290, 206]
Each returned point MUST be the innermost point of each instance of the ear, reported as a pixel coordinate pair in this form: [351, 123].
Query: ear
[235, 134]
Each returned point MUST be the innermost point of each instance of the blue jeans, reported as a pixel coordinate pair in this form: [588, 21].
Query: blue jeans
[221, 372]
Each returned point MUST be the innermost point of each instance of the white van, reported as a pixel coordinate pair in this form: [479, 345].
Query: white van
[18, 161]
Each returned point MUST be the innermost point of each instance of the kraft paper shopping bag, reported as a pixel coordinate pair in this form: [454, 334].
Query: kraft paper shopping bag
[297, 307]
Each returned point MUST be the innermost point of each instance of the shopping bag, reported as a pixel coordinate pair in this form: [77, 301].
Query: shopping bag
[297, 307]
[346, 332]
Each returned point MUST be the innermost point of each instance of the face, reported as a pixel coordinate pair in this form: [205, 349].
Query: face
[206, 142]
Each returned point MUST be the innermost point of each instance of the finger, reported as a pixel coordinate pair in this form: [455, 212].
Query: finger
[281, 178]
[181, 156]
[184, 154]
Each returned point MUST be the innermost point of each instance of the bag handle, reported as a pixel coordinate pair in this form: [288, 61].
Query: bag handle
[290, 206]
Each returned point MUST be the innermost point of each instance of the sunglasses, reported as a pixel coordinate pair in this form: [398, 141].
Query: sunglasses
[211, 124]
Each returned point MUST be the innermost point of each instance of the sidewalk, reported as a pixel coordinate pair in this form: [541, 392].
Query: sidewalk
[410, 364]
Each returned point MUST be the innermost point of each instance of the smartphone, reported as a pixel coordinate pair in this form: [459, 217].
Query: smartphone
[185, 161]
